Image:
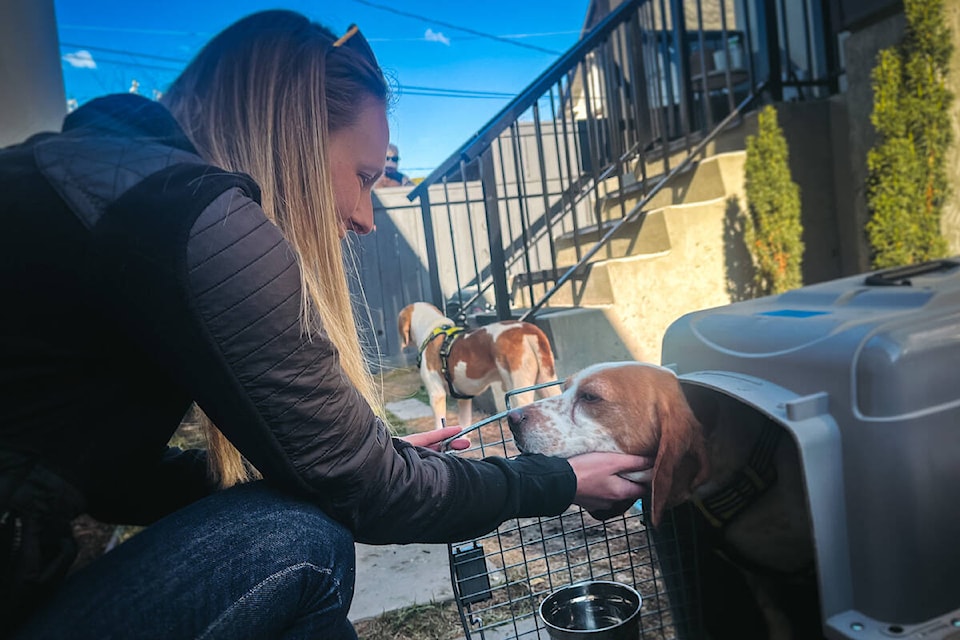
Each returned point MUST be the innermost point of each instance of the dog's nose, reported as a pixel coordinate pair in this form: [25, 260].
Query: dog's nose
[515, 418]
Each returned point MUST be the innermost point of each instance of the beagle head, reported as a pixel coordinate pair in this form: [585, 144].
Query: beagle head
[415, 321]
[626, 407]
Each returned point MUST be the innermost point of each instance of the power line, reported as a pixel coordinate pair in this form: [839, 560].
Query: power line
[413, 90]
[479, 92]
[126, 53]
[204, 34]
[511, 36]
[155, 32]
[540, 35]
[137, 65]
[489, 36]
[447, 95]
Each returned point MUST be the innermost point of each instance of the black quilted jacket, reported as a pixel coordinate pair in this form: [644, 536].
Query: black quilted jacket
[136, 279]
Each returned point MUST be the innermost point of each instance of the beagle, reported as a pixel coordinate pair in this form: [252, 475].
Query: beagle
[743, 478]
[463, 363]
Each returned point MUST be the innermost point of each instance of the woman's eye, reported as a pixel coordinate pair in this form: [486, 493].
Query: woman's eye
[365, 180]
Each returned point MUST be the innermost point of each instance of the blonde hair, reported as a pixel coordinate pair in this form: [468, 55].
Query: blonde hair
[262, 98]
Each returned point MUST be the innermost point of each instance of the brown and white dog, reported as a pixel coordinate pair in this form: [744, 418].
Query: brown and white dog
[641, 409]
[516, 354]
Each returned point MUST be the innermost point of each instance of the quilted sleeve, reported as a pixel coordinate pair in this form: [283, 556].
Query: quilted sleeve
[215, 296]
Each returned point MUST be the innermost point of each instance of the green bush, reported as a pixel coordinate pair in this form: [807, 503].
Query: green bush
[907, 181]
[772, 227]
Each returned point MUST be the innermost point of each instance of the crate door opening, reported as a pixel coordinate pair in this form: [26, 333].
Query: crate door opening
[753, 543]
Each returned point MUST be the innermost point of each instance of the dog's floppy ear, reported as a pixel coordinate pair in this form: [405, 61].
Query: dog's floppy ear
[403, 324]
[681, 463]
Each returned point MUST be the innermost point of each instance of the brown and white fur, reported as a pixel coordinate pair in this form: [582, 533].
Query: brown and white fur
[640, 408]
[516, 354]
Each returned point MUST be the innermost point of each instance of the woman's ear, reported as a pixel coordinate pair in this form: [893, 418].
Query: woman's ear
[681, 463]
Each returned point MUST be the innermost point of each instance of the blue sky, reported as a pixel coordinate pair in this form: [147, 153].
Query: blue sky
[422, 50]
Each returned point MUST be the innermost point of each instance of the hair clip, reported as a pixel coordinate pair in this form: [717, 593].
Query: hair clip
[349, 34]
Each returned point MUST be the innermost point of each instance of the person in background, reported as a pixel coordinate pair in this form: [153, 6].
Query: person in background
[391, 173]
[158, 255]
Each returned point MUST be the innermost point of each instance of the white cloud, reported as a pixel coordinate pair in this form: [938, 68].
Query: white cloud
[436, 36]
[81, 59]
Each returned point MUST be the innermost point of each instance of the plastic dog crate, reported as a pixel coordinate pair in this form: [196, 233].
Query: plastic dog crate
[864, 373]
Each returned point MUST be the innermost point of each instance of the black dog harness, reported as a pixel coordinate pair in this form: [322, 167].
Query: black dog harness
[450, 335]
[747, 485]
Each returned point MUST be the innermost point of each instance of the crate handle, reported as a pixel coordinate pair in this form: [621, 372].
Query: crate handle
[900, 276]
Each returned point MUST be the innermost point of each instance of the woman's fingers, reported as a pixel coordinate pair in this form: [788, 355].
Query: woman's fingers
[601, 485]
[432, 439]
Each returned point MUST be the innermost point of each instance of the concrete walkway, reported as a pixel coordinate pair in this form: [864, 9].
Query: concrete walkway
[396, 576]
[392, 577]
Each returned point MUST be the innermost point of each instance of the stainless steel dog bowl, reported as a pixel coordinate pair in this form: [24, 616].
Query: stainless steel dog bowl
[598, 610]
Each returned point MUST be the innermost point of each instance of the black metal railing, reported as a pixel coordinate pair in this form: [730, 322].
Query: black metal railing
[520, 209]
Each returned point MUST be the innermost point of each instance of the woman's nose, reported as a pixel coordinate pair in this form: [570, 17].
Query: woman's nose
[362, 219]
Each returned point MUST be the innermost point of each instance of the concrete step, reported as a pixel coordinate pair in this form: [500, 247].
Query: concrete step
[626, 303]
[609, 277]
[708, 179]
[642, 236]
[581, 337]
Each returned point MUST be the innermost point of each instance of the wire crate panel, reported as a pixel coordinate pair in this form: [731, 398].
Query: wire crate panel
[499, 580]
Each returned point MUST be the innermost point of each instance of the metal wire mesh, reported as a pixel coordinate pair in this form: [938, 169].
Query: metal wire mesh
[499, 580]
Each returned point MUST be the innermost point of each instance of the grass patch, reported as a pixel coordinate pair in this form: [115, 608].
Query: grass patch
[422, 396]
[399, 426]
[433, 621]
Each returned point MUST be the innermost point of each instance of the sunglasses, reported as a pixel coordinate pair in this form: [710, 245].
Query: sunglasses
[359, 42]
[393, 158]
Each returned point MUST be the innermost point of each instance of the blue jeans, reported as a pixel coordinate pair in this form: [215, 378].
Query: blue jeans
[248, 562]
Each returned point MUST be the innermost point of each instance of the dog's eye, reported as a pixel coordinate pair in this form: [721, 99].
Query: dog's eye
[586, 396]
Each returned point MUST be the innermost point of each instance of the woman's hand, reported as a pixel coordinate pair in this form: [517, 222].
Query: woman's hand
[432, 439]
[602, 489]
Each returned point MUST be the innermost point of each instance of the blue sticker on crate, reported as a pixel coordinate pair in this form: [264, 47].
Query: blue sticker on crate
[794, 313]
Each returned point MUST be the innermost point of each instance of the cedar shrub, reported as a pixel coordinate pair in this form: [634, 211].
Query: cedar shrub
[907, 180]
[772, 226]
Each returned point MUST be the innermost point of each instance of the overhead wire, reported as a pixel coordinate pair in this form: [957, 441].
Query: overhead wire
[412, 90]
[151, 56]
[448, 25]
[154, 32]
[508, 38]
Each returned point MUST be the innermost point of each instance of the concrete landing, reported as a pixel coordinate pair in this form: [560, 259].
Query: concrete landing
[396, 576]
[392, 577]
[409, 409]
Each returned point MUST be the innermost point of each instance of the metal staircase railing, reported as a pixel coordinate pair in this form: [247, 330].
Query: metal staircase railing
[638, 211]
[653, 81]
